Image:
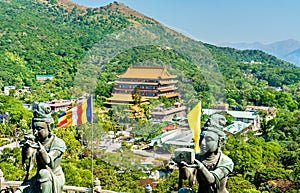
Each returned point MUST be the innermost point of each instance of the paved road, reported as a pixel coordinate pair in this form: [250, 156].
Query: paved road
[153, 154]
[109, 145]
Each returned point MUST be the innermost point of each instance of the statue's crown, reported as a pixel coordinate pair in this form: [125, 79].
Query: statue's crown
[216, 123]
[42, 112]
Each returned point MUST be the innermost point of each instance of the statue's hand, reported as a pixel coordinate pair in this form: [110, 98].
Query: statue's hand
[34, 146]
[199, 164]
[38, 146]
[18, 191]
[29, 136]
[41, 147]
[183, 163]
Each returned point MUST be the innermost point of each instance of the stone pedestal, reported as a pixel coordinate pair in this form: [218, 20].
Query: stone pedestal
[148, 188]
[1, 180]
[97, 186]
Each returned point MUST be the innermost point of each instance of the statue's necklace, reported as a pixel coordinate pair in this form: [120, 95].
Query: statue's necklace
[211, 162]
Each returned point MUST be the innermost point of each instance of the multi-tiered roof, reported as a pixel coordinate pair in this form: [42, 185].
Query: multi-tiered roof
[152, 83]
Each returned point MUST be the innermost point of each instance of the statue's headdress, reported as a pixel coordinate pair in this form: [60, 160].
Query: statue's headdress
[216, 124]
[42, 113]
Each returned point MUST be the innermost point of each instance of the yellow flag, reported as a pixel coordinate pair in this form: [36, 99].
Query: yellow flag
[194, 120]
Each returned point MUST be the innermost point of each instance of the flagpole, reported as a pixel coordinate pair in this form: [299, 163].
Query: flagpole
[92, 143]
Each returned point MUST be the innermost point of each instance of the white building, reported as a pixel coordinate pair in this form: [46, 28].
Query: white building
[243, 116]
[237, 127]
[7, 89]
[178, 137]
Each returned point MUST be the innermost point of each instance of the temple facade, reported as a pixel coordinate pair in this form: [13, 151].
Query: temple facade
[160, 114]
[151, 83]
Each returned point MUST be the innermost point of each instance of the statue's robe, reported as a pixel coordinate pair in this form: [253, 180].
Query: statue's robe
[220, 171]
[55, 147]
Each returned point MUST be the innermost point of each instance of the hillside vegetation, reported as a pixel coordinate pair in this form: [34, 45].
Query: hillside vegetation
[53, 37]
[44, 37]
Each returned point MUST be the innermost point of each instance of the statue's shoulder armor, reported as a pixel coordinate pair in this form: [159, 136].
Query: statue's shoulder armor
[226, 162]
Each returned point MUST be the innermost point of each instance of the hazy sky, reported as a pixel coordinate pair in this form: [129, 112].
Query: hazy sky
[219, 21]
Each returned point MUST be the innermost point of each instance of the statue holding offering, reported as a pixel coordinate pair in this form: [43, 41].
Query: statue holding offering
[46, 149]
[210, 167]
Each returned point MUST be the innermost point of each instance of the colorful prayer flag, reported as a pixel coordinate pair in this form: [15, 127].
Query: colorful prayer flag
[62, 119]
[77, 115]
[194, 120]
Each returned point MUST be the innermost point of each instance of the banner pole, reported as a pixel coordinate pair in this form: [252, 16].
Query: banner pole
[92, 144]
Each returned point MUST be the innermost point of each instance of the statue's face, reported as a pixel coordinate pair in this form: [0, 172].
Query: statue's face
[209, 142]
[40, 130]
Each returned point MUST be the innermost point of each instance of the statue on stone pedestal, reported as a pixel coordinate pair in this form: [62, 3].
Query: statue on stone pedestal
[211, 167]
[46, 150]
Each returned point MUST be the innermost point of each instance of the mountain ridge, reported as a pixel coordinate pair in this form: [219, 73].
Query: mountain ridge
[282, 49]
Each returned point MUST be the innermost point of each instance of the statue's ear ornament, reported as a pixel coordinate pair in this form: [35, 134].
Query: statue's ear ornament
[222, 140]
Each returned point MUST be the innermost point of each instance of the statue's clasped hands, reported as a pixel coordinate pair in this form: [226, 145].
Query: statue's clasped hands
[197, 164]
[38, 146]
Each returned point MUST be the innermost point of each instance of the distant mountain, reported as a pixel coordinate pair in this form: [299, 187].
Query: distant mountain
[294, 57]
[286, 50]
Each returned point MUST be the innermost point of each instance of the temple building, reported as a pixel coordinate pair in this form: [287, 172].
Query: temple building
[151, 82]
[60, 105]
[160, 114]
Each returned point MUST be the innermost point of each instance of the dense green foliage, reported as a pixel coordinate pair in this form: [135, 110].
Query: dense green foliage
[44, 38]
[54, 39]
[18, 116]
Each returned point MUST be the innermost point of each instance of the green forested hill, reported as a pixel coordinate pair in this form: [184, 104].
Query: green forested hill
[41, 37]
[52, 37]
[267, 67]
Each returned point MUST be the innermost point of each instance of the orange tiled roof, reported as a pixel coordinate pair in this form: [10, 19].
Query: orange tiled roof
[139, 83]
[147, 73]
[169, 95]
[123, 97]
[168, 82]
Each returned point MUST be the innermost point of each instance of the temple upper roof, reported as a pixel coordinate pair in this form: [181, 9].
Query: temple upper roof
[147, 73]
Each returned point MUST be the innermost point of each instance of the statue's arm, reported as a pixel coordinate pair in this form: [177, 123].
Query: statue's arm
[225, 167]
[216, 175]
[210, 178]
[48, 157]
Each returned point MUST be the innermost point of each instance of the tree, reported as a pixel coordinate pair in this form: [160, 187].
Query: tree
[73, 146]
[136, 96]
[238, 184]
[151, 131]
[18, 115]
